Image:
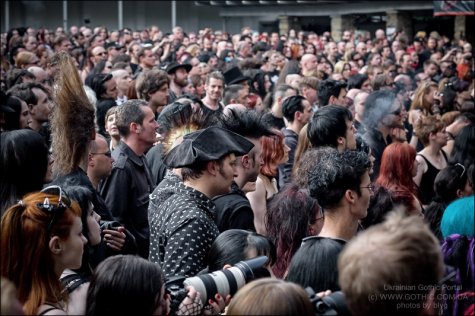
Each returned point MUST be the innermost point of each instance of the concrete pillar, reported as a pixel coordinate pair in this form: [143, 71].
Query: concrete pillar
[399, 21]
[284, 25]
[459, 26]
[340, 23]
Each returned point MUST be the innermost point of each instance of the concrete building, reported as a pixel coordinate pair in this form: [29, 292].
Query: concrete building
[231, 16]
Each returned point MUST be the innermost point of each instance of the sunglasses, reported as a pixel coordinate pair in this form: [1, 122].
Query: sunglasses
[63, 203]
[107, 154]
[397, 112]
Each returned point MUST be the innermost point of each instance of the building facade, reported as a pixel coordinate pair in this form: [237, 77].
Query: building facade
[231, 16]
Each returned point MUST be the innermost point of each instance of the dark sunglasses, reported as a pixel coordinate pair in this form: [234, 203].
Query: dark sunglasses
[107, 153]
[63, 203]
[397, 112]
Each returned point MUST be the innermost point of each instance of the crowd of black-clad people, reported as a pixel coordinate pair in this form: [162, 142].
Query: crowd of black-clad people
[206, 173]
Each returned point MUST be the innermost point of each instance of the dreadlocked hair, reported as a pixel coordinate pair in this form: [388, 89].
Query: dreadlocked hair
[72, 120]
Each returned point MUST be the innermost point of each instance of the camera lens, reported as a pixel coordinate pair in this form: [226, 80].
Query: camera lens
[228, 281]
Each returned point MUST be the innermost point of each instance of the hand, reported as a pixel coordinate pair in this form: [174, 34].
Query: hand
[323, 294]
[115, 239]
[217, 306]
[191, 304]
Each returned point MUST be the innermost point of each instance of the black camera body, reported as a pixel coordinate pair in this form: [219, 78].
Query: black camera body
[333, 304]
[224, 282]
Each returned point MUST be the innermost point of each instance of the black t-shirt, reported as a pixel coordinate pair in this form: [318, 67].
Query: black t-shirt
[233, 211]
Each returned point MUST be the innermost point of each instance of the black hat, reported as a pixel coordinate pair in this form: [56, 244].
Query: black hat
[208, 144]
[113, 44]
[173, 66]
[234, 75]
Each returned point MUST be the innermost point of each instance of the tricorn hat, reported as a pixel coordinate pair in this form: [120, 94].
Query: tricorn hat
[173, 66]
[234, 75]
[212, 143]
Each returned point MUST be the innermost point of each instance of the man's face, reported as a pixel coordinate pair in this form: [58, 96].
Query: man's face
[181, 77]
[226, 173]
[98, 53]
[307, 112]
[342, 99]
[123, 80]
[255, 160]
[310, 94]
[100, 159]
[148, 59]
[160, 97]
[147, 130]
[41, 110]
[214, 89]
[359, 104]
[362, 201]
[350, 140]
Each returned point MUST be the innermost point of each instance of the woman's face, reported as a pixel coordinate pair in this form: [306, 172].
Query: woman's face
[286, 153]
[111, 126]
[111, 89]
[93, 226]
[72, 247]
[25, 117]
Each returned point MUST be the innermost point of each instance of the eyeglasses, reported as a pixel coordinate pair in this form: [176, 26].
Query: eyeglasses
[101, 54]
[369, 187]
[463, 169]
[107, 153]
[63, 203]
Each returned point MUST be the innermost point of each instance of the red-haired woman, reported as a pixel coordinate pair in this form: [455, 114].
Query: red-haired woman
[40, 237]
[394, 186]
[274, 153]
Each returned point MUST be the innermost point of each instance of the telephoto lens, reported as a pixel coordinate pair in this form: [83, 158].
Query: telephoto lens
[228, 281]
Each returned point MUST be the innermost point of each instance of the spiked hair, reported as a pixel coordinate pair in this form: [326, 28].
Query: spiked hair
[72, 120]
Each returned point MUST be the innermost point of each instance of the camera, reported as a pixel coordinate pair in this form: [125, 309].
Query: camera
[333, 304]
[224, 282]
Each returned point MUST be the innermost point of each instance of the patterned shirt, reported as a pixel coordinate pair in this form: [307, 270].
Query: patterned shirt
[182, 232]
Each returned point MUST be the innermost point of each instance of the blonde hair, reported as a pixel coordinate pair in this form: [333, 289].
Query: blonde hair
[419, 103]
[24, 58]
[396, 256]
[427, 125]
[270, 296]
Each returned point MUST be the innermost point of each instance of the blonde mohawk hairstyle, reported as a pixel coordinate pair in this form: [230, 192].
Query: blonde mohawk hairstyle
[72, 120]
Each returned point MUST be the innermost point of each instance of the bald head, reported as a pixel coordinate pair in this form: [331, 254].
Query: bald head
[40, 74]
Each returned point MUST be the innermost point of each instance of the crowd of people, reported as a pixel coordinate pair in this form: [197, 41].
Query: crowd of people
[134, 161]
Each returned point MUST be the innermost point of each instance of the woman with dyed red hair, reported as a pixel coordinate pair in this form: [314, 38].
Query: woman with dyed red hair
[394, 185]
[274, 153]
[41, 236]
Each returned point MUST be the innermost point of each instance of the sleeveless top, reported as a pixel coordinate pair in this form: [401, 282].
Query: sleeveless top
[427, 181]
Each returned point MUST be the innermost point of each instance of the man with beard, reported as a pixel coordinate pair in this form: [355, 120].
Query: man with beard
[178, 74]
[185, 224]
[233, 210]
[153, 87]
